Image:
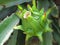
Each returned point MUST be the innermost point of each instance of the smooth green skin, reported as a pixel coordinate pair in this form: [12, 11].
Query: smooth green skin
[35, 24]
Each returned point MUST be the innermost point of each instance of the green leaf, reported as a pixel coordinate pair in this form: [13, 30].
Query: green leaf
[7, 11]
[13, 39]
[57, 37]
[28, 37]
[46, 4]
[47, 37]
[6, 27]
[20, 8]
[40, 36]
[8, 3]
[18, 27]
[43, 4]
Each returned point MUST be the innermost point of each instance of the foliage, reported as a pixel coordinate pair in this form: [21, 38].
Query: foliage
[34, 22]
[6, 27]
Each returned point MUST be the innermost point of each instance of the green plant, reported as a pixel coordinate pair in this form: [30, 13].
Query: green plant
[36, 21]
